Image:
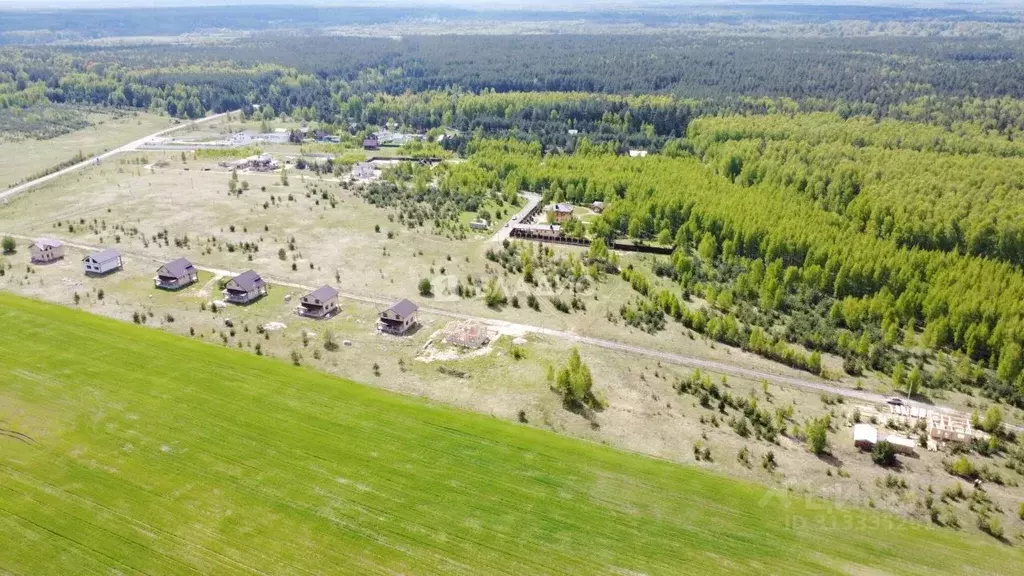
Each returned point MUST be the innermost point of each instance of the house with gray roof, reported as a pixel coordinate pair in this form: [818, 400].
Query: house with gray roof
[399, 318]
[103, 262]
[319, 303]
[245, 288]
[176, 274]
[45, 250]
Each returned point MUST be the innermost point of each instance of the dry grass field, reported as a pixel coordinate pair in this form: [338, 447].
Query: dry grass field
[27, 157]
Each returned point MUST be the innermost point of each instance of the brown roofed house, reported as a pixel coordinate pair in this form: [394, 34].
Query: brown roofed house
[245, 288]
[319, 303]
[399, 318]
[44, 251]
[176, 274]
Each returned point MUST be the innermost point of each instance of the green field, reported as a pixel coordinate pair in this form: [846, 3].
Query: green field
[152, 453]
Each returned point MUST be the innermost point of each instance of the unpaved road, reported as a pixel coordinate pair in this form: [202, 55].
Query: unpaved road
[808, 383]
[129, 147]
[505, 229]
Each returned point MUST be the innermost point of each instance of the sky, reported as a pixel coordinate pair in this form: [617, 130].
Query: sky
[483, 4]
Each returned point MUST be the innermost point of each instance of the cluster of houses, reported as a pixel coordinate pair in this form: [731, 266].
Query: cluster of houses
[246, 288]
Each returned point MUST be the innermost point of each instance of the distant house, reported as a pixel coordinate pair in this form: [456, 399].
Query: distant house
[176, 274]
[319, 303]
[637, 153]
[479, 224]
[371, 143]
[245, 288]
[597, 207]
[573, 132]
[44, 251]
[399, 318]
[561, 212]
[364, 171]
[103, 262]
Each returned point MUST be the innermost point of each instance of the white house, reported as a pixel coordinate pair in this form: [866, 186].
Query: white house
[44, 250]
[103, 262]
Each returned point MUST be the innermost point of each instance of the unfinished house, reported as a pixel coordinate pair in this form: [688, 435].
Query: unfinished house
[399, 318]
[102, 262]
[949, 428]
[176, 274]
[245, 288]
[320, 303]
[44, 251]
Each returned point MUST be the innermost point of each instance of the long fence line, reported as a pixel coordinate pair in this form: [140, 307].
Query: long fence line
[556, 236]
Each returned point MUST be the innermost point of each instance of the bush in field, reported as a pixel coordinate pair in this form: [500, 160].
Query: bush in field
[9, 245]
[817, 435]
[426, 289]
[574, 382]
[884, 454]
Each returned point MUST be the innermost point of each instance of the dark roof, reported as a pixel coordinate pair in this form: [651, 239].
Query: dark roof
[247, 281]
[104, 255]
[404, 308]
[323, 294]
[178, 268]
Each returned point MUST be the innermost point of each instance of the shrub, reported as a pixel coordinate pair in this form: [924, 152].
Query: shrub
[744, 456]
[817, 435]
[962, 467]
[100, 294]
[9, 245]
[296, 358]
[426, 288]
[532, 302]
[768, 461]
[991, 525]
[169, 318]
[517, 352]
[883, 454]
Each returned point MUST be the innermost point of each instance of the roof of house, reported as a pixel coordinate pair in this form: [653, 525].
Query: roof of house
[248, 281]
[178, 268]
[563, 208]
[598, 203]
[404, 307]
[865, 433]
[44, 243]
[323, 294]
[104, 256]
[900, 441]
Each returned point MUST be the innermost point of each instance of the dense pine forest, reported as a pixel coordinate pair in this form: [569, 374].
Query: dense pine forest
[860, 196]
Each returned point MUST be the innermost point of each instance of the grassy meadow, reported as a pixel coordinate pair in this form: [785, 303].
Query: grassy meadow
[129, 450]
[26, 158]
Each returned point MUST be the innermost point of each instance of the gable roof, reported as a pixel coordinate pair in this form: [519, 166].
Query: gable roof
[563, 208]
[44, 243]
[323, 294]
[247, 281]
[404, 308]
[103, 256]
[178, 268]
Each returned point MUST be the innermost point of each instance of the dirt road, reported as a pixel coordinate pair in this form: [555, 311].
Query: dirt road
[129, 147]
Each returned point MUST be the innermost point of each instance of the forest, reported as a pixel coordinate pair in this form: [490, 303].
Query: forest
[774, 264]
